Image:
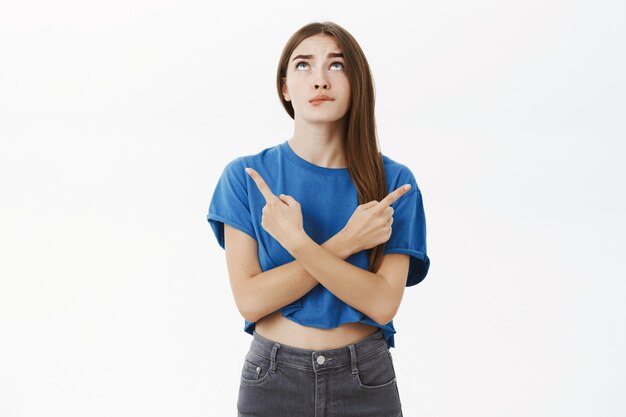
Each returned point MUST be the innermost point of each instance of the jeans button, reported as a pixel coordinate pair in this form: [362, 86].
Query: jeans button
[321, 359]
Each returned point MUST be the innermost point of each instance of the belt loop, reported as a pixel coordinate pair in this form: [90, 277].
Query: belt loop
[353, 359]
[273, 357]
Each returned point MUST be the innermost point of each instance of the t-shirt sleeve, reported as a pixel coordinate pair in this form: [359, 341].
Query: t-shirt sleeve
[408, 233]
[229, 203]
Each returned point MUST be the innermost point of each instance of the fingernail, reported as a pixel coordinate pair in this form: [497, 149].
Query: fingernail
[407, 187]
[248, 170]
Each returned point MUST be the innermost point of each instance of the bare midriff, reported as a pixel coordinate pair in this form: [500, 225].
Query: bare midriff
[280, 329]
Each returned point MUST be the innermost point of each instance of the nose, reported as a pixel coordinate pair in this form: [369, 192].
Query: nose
[323, 84]
[321, 81]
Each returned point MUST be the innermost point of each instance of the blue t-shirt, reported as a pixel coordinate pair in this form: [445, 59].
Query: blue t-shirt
[328, 198]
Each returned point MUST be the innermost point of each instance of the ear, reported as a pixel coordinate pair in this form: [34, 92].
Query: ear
[284, 89]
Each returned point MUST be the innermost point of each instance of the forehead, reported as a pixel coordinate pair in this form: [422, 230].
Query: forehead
[318, 45]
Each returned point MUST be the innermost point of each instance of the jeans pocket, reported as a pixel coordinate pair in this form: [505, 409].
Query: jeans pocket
[375, 372]
[256, 369]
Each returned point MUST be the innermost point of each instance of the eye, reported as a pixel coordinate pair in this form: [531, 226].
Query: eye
[297, 65]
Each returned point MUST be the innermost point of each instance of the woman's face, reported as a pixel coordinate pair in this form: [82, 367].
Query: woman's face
[317, 73]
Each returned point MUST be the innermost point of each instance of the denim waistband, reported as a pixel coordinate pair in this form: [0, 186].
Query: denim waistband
[319, 359]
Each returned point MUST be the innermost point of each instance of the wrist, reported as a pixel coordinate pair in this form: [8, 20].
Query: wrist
[341, 245]
[297, 241]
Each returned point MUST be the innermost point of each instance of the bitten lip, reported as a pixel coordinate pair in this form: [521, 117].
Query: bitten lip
[321, 97]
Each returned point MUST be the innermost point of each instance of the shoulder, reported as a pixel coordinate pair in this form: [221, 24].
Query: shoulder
[263, 156]
[236, 166]
[398, 174]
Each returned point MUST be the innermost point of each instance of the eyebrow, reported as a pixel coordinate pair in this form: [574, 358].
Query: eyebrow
[330, 55]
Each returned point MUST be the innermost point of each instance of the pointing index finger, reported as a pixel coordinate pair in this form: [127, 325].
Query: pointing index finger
[261, 185]
[393, 196]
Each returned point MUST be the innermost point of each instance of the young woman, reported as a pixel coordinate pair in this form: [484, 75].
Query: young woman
[315, 266]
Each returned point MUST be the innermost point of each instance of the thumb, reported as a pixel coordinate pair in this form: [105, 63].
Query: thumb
[289, 200]
[368, 205]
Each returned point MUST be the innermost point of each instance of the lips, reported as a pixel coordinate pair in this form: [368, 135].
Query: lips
[321, 97]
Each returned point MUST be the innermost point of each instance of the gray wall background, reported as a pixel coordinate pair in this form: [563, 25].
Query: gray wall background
[117, 118]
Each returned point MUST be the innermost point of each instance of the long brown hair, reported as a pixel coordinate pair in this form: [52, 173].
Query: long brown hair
[363, 157]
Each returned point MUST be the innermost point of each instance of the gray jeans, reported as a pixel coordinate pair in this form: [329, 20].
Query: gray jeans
[354, 380]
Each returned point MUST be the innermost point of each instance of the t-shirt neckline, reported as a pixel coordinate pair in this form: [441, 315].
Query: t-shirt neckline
[301, 162]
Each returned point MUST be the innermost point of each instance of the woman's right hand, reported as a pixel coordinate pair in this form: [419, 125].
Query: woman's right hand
[370, 224]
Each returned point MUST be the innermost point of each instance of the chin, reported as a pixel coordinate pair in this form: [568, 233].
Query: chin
[318, 118]
[325, 120]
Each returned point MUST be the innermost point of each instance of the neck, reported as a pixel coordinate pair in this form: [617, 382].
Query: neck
[320, 143]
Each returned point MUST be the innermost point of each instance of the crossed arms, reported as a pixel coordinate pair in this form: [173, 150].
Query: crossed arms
[257, 293]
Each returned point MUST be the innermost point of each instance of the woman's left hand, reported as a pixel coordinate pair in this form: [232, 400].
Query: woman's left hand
[282, 215]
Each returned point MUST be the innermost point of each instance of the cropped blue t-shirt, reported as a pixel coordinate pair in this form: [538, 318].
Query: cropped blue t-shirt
[328, 198]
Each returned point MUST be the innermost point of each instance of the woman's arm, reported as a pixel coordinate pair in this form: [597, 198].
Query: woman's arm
[259, 293]
[377, 295]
